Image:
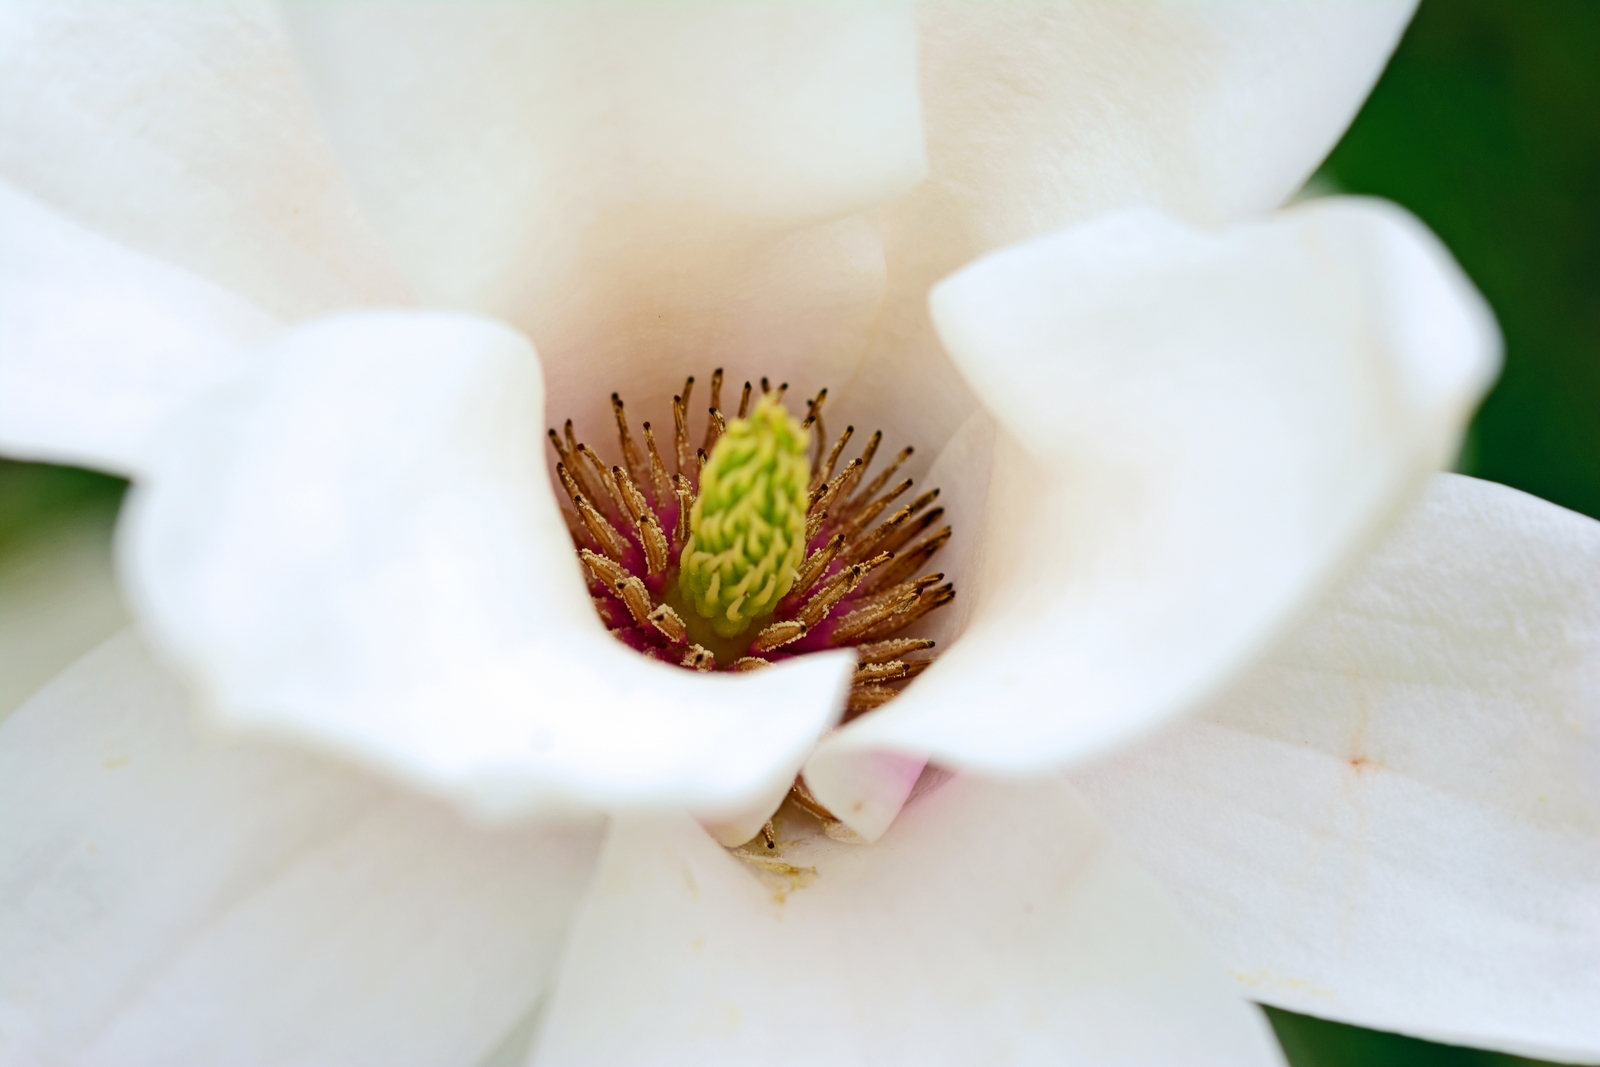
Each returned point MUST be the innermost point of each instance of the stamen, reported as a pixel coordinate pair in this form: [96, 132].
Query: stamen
[680, 427]
[803, 797]
[883, 478]
[817, 563]
[637, 598]
[658, 470]
[894, 648]
[866, 461]
[699, 659]
[825, 471]
[911, 529]
[908, 562]
[630, 451]
[778, 634]
[867, 697]
[671, 626]
[715, 425]
[750, 663]
[685, 493]
[605, 535]
[856, 624]
[863, 518]
[606, 571]
[744, 401]
[593, 464]
[633, 500]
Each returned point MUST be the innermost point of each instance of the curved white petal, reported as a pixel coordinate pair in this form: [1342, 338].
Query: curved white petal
[58, 600]
[100, 344]
[1044, 115]
[992, 924]
[358, 545]
[1198, 432]
[1395, 820]
[182, 130]
[166, 897]
[864, 786]
[636, 186]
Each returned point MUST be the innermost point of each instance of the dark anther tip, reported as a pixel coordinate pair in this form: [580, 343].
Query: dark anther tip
[615, 399]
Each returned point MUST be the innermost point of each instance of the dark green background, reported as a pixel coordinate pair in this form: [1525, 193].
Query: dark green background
[1487, 125]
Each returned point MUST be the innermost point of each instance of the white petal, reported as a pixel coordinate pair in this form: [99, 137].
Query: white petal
[1396, 820]
[182, 130]
[58, 600]
[1198, 432]
[100, 344]
[992, 924]
[1044, 115]
[169, 898]
[359, 545]
[624, 181]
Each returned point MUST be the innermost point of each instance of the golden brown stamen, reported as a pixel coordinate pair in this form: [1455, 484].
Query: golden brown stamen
[867, 697]
[631, 455]
[744, 401]
[699, 659]
[604, 534]
[816, 564]
[658, 470]
[777, 635]
[876, 485]
[668, 623]
[824, 473]
[894, 648]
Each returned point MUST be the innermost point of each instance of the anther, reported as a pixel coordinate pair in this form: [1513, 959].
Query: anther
[867, 697]
[877, 484]
[866, 461]
[817, 563]
[658, 470]
[595, 465]
[698, 658]
[778, 634]
[630, 451]
[667, 621]
[606, 571]
[715, 426]
[825, 472]
[637, 598]
[604, 534]
[750, 663]
[893, 648]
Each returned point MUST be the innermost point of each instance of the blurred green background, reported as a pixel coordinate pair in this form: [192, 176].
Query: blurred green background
[1487, 126]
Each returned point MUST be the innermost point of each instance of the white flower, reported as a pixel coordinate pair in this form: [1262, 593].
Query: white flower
[1159, 444]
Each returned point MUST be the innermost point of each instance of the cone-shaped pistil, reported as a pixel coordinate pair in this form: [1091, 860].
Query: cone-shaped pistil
[747, 529]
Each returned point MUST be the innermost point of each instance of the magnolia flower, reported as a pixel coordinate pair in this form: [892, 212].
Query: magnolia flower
[319, 286]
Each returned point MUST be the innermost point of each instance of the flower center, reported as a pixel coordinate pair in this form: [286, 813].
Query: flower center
[750, 552]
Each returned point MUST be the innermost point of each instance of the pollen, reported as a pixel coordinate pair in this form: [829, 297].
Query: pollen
[767, 540]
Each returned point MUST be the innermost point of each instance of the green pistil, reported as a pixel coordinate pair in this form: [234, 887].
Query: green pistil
[747, 529]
